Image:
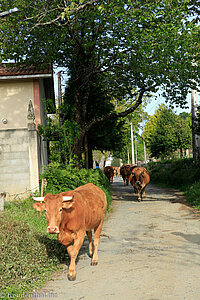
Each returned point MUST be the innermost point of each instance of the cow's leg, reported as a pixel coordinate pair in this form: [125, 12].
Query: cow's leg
[91, 246]
[124, 180]
[128, 179]
[139, 195]
[73, 251]
[142, 193]
[97, 232]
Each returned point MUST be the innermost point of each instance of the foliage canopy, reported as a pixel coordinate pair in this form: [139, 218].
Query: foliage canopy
[130, 49]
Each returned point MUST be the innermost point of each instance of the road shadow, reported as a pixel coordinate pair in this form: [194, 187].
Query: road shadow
[153, 193]
[192, 238]
[58, 252]
[121, 192]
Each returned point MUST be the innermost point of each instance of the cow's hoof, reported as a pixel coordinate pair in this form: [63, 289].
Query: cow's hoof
[94, 263]
[72, 276]
[139, 200]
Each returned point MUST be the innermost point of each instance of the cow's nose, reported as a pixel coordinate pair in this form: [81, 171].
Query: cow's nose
[53, 229]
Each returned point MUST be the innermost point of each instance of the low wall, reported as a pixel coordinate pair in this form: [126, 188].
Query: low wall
[19, 172]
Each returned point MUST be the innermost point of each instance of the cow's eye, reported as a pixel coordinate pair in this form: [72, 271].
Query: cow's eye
[60, 210]
[45, 210]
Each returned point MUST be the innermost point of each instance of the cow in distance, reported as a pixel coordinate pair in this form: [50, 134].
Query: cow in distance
[139, 179]
[109, 172]
[125, 172]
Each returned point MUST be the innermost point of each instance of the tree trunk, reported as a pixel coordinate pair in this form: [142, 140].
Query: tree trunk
[90, 156]
[78, 145]
[86, 151]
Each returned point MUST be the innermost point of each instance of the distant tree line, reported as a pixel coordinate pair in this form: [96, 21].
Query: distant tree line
[165, 132]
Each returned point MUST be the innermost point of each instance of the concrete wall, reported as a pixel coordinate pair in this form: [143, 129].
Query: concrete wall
[14, 98]
[14, 161]
[22, 150]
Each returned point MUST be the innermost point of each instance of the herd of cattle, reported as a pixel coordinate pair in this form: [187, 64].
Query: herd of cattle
[75, 213]
[137, 176]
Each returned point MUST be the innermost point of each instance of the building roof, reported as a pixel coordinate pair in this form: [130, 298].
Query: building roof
[8, 70]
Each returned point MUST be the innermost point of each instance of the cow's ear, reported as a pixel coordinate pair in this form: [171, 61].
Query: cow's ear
[68, 204]
[39, 206]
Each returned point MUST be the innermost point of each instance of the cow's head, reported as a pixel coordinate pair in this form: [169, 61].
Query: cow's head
[53, 206]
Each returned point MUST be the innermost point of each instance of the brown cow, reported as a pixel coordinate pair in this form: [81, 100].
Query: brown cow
[109, 172]
[116, 171]
[139, 179]
[125, 172]
[72, 214]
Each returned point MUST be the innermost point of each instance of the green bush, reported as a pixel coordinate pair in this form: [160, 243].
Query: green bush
[193, 195]
[181, 173]
[174, 173]
[62, 178]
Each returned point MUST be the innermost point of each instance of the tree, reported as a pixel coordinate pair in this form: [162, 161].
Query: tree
[134, 48]
[184, 131]
[165, 132]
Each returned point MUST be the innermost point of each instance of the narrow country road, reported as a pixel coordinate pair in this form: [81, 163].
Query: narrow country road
[149, 250]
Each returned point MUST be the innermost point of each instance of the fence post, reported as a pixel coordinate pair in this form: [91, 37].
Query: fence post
[2, 200]
[43, 185]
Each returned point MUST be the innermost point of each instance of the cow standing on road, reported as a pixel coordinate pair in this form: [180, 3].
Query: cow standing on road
[109, 172]
[116, 171]
[125, 172]
[72, 214]
[139, 179]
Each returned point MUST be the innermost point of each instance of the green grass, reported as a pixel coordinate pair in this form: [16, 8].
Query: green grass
[28, 254]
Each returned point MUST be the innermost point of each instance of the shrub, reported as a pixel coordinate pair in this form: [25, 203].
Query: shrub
[64, 178]
[193, 195]
[174, 173]
[182, 174]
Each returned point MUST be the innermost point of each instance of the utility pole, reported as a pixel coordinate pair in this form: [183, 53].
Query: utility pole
[145, 154]
[135, 151]
[195, 137]
[132, 145]
[59, 97]
[128, 155]
[62, 156]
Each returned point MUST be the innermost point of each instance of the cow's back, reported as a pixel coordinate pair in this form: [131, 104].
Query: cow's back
[92, 195]
[89, 206]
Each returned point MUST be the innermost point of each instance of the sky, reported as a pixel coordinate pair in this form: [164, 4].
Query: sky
[154, 104]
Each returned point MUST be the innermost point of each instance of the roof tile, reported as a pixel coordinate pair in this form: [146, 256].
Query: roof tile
[11, 69]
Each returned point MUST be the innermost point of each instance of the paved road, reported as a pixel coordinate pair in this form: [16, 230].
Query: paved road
[148, 251]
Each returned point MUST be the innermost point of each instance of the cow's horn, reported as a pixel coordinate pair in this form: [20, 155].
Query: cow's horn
[67, 198]
[38, 198]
